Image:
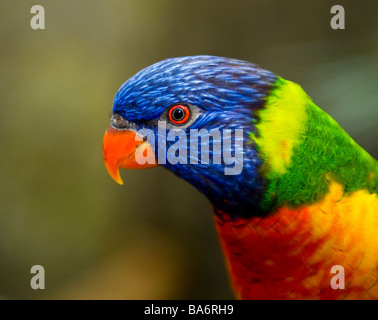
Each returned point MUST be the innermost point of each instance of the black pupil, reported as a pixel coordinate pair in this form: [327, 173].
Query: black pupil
[178, 114]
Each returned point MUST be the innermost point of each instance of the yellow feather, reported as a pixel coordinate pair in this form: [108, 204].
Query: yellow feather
[282, 121]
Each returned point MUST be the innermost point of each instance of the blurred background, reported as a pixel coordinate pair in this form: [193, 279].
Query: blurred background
[154, 237]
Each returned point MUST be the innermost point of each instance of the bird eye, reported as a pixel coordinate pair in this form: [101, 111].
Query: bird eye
[179, 114]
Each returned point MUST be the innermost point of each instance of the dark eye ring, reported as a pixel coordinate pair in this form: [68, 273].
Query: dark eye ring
[179, 114]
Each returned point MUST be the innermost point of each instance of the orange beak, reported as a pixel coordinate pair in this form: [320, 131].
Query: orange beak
[122, 149]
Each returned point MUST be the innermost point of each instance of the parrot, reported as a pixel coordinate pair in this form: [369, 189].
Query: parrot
[300, 219]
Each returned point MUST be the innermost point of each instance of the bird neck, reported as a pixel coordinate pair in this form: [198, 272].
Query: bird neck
[239, 195]
[303, 149]
[290, 254]
[319, 187]
[292, 150]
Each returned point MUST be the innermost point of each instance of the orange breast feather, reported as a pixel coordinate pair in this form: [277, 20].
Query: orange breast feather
[289, 254]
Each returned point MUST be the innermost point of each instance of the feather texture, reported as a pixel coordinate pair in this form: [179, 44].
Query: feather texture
[289, 255]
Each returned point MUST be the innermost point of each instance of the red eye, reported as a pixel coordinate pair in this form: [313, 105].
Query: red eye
[179, 114]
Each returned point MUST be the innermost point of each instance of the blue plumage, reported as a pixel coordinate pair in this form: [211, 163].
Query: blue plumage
[226, 91]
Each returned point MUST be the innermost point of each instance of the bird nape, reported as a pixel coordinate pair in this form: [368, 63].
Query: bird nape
[293, 195]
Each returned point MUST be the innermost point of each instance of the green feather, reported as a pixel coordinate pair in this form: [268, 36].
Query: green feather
[321, 152]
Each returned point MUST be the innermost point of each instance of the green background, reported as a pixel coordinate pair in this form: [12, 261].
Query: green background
[154, 237]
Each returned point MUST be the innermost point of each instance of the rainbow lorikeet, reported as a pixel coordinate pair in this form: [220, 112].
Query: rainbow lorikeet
[305, 199]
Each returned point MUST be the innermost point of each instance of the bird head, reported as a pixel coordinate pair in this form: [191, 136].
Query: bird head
[158, 110]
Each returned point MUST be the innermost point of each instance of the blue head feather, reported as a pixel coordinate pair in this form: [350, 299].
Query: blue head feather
[227, 92]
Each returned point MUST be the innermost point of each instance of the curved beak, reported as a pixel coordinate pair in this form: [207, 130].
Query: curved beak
[126, 149]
